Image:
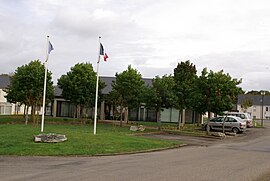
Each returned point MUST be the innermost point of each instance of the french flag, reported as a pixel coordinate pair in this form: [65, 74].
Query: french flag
[105, 56]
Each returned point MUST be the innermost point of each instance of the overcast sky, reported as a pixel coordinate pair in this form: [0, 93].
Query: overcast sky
[151, 35]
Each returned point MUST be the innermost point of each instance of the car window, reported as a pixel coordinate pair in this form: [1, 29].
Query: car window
[213, 120]
[242, 116]
[229, 119]
[234, 120]
[240, 120]
[219, 119]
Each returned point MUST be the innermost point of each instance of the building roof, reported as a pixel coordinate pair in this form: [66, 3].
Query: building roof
[255, 99]
[108, 83]
[4, 81]
[57, 91]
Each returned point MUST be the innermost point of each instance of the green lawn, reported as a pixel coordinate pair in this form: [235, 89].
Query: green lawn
[17, 139]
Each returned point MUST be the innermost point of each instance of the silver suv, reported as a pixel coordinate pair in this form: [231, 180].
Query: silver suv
[231, 123]
[245, 116]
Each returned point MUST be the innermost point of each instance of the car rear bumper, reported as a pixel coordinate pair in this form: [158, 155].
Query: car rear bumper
[243, 129]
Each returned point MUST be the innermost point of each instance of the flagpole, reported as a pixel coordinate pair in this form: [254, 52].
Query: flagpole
[96, 100]
[44, 89]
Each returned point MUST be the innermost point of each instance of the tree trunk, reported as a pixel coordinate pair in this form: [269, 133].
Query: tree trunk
[179, 119]
[33, 114]
[207, 127]
[74, 113]
[199, 119]
[126, 115]
[209, 115]
[223, 124]
[78, 111]
[121, 117]
[26, 108]
[183, 118]
[158, 120]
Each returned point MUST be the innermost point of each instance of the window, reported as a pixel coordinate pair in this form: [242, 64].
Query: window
[267, 108]
[242, 116]
[230, 120]
[219, 120]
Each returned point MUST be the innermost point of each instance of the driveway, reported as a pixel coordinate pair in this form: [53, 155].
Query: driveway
[247, 159]
[250, 134]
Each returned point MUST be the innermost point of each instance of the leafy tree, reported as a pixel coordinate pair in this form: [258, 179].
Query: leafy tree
[79, 86]
[26, 86]
[160, 94]
[254, 92]
[246, 104]
[216, 92]
[184, 76]
[116, 100]
[201, 93]
[128, 87]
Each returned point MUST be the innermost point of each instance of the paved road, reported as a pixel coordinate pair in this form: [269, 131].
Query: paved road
[228, 160]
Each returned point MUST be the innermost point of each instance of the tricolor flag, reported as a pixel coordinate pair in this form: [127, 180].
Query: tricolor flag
[50, 47]
[102, 52]
[101, 49]
[105, 57]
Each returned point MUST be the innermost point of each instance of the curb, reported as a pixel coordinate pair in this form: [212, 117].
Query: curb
[143, 151]
[100, 155]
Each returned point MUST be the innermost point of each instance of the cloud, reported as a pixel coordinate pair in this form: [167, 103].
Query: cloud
[151, 35]
[241, 65]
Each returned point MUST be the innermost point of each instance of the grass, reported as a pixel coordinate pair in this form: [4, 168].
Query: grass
[13, 119]
[188, 129]
[17, 139]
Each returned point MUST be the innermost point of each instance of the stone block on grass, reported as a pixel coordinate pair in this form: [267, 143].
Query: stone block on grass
[137, 128]
[218, 134]
[133, 128]
[49, 138]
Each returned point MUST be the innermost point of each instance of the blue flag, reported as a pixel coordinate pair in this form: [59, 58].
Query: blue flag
[50, 48]
[101, 50]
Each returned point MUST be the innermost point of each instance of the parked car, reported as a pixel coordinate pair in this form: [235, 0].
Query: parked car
[231, 123]
[245, 116]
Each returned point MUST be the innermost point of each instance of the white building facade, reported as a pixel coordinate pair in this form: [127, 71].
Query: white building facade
[260, 106]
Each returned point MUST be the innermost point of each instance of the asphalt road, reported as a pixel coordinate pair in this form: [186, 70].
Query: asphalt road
[239, 159]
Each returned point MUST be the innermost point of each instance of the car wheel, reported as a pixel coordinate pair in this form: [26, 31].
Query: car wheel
[235, 130]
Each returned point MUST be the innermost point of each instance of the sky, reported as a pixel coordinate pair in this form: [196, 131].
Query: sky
[152, 36]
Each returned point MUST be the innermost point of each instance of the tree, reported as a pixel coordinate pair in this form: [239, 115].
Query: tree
[79, 86]
[160, 94]
[246, 104]
[116, 100]
[184, 76]
[216, 92]
[254, 92]
[128, 87]
[26, 86]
